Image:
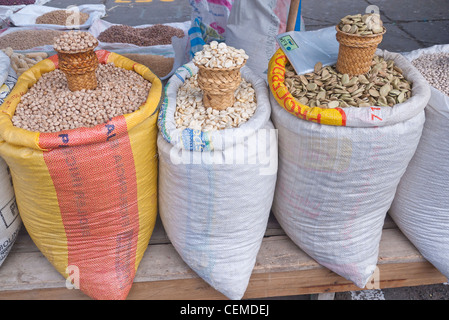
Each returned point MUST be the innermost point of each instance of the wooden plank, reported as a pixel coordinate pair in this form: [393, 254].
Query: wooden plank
[281, 269]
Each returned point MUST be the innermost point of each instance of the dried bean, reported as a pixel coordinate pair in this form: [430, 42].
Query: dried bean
[367, 24]
[220, 55]
[435, 68]
[63, 18]
[191, 113]
[28, 39]
[22, 62]
[382, 85]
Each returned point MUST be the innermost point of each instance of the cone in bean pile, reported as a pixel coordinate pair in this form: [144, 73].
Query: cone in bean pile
[358, 35]
[77, 59]
[219, 73]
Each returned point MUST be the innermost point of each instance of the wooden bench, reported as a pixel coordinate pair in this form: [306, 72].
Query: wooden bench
[281, 269]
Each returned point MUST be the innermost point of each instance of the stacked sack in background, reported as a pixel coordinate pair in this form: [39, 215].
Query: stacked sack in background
[10, 221]
[339, 166]
[216, 186]
[87, 195]
[421, 206]
[250, 25]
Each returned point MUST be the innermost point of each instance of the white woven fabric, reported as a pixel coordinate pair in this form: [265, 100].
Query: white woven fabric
[335, 184]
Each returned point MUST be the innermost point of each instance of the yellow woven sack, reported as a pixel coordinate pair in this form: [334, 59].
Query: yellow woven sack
[87, 196]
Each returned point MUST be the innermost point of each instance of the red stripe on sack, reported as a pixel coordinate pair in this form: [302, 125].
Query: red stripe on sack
[96, 189]
[343, 116]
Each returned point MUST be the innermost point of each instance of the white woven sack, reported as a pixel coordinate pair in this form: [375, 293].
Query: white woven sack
[10, 221]
[421, 205]
[216, 191]
[335, 184]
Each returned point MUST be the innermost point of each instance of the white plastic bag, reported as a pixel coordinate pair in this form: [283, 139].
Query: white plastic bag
[253, 26]
[27, 16]
[336, 183]
[421, 205]
[216, 190]
[10, 221]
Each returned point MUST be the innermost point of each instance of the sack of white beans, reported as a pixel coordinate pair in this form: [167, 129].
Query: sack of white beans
[337, 179]
[10, 221]
[421, 205]
[216, 187]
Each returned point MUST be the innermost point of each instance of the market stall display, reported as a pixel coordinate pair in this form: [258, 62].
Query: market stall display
[420, 206]
[87, 195]
[340, 165]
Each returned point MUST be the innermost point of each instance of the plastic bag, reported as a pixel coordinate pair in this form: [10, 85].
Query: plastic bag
[421, 205]
[216, 189]
[87, 196]
[339, 170]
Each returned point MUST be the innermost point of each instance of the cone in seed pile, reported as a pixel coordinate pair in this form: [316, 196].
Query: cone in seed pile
[77, 59]
[219, 73]
[356, 50]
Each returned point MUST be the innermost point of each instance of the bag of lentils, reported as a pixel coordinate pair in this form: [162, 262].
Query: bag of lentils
[344, 143]
[84, 168]
[217, 173]
[421, 206]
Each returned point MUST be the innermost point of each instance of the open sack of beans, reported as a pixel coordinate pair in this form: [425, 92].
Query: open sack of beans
[421, 205]
[344, 143]
[10, 221]
[79, 135]
[217, 172]
[161, 46]
[77, 17]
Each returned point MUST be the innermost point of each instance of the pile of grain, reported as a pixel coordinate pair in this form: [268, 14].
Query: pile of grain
[28, 39]
[150, 36]
[159, 65]
[63, 18]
